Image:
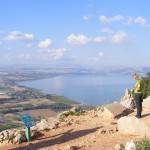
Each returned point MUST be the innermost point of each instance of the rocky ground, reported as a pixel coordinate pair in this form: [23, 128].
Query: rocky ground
[100, 129]
[86, 132]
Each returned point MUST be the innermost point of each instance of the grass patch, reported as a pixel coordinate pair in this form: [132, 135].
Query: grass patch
[78, 113]
[63, 99]
[8, 126]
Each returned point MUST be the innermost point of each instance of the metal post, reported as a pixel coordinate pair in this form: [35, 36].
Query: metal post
[28, 134]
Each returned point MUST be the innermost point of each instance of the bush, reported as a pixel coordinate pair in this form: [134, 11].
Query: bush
[146, 85]
[62, 118]
[143, 145]
[78, 113]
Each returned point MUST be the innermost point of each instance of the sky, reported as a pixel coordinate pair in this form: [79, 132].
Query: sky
[75, 32]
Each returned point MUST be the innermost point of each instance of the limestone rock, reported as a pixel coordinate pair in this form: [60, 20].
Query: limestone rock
[146, 103]
[128, 100]
[49, 123]
[64, 113]
[133, 126]
[75, 109]
[20, 137]
[114, 110]
[130, 146]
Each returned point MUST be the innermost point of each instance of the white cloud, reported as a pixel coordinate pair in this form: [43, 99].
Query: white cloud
[82, 39]
[98, 39]
[129, 20]
[87, 17]
[106, 30]
[46, 43]
[59, 53]
[119, 37]
[100, 54]
[55, 54]
[78, 39]
[104, 19]
[124, 19]
[142, 21]
[17, 35]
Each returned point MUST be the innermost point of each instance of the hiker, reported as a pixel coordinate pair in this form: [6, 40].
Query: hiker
[138, 95]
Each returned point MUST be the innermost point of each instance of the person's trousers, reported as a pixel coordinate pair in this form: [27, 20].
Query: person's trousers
[138, 102]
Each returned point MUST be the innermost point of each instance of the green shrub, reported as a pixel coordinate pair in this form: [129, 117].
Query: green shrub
[143, 145]
[146, 85]
[46, 129]
[78, 113]
[113, 123]
[62, 118]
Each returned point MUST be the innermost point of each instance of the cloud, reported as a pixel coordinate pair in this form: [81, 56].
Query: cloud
[87, 17]
[142, 21]
[58, 53]
[19, 36]
[98, 39]
[106, 30]
[100, 54]
[78, 39]
[104, 19]
[46, 43]
[129, 20]
[55, 54]
[124, 19]
[119, 37]
[82, 39]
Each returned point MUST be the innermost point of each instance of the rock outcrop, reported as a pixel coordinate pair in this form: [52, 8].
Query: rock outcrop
[133, 126]
[128, 100]
[18, 136]
[48, 123]
[115, 110]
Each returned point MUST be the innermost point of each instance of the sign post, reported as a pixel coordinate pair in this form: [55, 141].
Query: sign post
[28, 122]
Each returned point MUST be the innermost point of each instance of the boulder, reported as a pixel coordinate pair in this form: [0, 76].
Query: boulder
[128, 100]
[49, 123]
[146, 103]
[130, 146]
[19, 138]
[115, 110]
[133, 126]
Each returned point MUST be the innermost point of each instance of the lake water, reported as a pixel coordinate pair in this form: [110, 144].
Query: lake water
[86, 89]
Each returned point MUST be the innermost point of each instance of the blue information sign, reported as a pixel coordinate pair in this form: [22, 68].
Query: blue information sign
[27, 120]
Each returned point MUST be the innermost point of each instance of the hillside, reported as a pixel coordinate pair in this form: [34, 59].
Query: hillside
[88, 131]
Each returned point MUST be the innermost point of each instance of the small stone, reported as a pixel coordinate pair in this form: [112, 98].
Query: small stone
[101, 131]
[119, 147]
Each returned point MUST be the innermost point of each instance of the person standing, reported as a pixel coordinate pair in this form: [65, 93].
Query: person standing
[138, 95]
